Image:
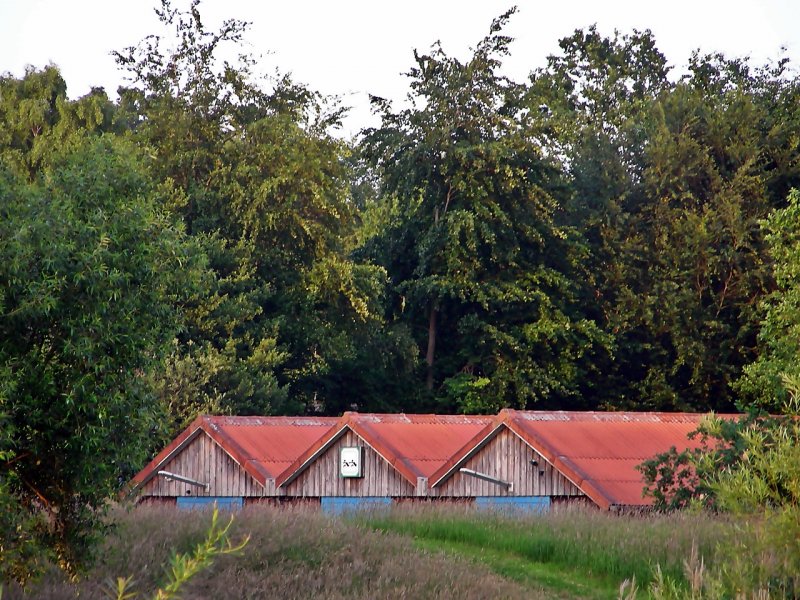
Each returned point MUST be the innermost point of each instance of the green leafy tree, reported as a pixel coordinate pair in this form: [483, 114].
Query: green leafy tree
[677, 480]
[763, 491]
[688, 305]
[39, 121]
[93, 276]
[748, 469]
[22, 553]
[669, 184]
[591, 103]
[183, 107]
[480, 268]
[251, 168]
[762, 384]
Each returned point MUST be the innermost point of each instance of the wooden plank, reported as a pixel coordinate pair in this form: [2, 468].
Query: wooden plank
[507, 458]
[204, 460]
[322, 478]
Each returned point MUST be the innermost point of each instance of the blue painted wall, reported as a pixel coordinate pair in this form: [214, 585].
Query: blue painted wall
[207, 502]
[336, 505]
[514, 504]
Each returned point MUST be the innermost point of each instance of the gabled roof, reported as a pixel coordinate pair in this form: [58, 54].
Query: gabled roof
[597, 451]
[263, 446]
[467, 451]
[415, 445]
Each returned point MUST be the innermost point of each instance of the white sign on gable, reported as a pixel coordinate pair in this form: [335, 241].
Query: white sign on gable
[350, 460]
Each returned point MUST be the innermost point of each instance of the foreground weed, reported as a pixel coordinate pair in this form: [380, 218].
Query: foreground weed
[628, 590]
[184, 566]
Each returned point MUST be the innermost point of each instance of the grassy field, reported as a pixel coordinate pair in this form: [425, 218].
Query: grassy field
[408, 553]
[573, 553]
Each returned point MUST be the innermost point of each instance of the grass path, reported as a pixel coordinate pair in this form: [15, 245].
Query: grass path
[568, 554]
[555, 581]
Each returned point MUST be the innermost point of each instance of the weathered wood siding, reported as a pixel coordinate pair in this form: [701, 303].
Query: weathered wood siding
[321, 478]
[204, 460]
[508, 458]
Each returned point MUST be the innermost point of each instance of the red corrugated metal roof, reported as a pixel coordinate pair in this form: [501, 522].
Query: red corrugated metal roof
[421, 442]
[599, 452]
[263, 446]
[271, 443]
[415, 445]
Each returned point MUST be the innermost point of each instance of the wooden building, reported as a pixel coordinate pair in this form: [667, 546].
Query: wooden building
[396, 455]
[521, 459]
[500, 468]
[227, 460]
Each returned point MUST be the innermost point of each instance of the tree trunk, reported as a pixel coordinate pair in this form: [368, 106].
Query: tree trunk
[431, 344]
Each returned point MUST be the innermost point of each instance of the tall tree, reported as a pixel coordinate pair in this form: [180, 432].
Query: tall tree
[670, 181]
[254, 172]
[92, 277]
[591, 103]
[475, 253]
[39, 121]
[762, 383]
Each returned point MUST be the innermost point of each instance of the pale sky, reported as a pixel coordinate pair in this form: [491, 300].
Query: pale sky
[352, 48]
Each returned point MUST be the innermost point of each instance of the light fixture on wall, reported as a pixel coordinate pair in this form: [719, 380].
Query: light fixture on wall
[183, 479]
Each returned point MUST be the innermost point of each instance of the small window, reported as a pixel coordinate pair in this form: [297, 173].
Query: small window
[351, 459]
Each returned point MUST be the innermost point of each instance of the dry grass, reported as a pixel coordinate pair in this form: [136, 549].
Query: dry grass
[291, 554]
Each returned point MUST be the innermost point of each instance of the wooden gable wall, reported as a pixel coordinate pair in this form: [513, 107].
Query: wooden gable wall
[508, 458]
[205, 461]
[321, 477]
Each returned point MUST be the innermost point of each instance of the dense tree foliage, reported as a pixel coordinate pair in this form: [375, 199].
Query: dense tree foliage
[91, 282]
[475, 253]
[256, 175]
[601, 235]
[670, 182]
[762, 383]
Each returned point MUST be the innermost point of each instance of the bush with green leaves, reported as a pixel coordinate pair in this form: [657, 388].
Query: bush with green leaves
[93, 277]
[779, 339]
[763, 491]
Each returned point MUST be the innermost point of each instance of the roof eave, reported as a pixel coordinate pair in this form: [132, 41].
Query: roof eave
[238, 454]
[318, 448]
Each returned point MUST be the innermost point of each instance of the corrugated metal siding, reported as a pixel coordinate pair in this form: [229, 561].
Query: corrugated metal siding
[508, 458]
[338, 505]
[204, 461]
[321, 478]
[283, 502]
